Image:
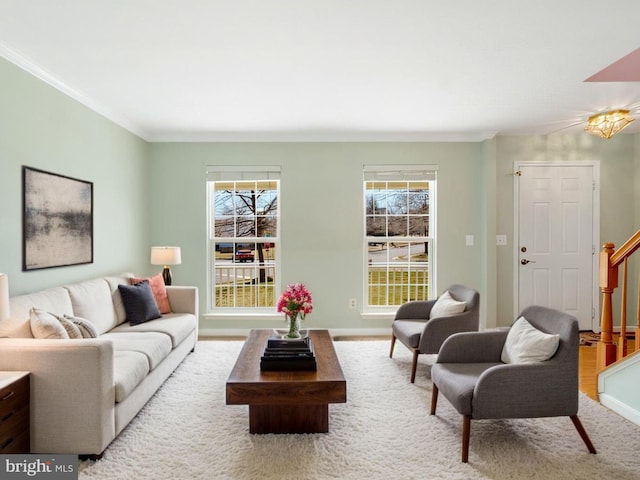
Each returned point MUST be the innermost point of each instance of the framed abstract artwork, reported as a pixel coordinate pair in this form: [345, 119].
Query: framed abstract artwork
[57, 220]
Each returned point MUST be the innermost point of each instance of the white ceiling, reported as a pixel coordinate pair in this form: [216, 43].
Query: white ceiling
[244, 70]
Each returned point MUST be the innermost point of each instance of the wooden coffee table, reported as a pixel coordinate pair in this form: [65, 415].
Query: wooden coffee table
[287, 402]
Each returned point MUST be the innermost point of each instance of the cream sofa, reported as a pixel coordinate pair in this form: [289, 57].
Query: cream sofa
[84, 392]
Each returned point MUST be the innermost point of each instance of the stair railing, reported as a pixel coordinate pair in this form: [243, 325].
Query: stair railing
[610, 259]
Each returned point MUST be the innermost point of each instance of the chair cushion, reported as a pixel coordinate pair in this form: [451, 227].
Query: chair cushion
[456, 381]
[446, 305]
[409, 331]
[526, 344]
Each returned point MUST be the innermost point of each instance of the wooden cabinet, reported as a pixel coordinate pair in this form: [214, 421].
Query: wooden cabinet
[14, 412]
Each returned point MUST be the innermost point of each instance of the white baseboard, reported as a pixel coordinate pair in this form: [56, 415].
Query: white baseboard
[620, 408]
[335, 332]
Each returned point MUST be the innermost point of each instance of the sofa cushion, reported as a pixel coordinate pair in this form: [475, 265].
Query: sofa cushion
[156, 346]
[114, 281]
[129, 369]
[526, 344]
[46, 325]
[159, 290]
[92, 300]
[54, 300]
[177, 325]
[139, 302]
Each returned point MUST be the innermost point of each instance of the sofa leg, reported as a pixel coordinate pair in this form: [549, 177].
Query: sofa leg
[91, 456]
[393, 344]
[414, 365]
[583, 433]
[466, 433]
[434, 399]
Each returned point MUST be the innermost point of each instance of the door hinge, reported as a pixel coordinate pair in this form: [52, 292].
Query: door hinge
[593, 313]
[593, 185]
[593, 249]
[518, 173]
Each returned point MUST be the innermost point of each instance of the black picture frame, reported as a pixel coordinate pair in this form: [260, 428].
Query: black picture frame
[57, 220]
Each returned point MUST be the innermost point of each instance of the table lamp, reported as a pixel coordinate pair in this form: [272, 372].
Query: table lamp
[166, 256]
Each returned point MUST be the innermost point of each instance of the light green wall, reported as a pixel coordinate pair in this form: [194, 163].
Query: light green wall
[43, 128]
[321, 193]
[147, 194]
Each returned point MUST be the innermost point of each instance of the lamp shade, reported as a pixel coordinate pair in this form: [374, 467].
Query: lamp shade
[4, 297]
[165, 256]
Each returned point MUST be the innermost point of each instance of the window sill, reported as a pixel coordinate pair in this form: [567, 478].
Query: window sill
[242, 315]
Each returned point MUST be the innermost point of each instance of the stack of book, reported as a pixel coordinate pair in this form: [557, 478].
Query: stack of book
[285, 354]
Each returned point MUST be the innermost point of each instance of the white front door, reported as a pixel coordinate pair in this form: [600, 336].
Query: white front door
[556, 242]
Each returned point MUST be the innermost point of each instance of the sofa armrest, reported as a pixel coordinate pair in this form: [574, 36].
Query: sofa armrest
[72, 392]
[183, 299]
[473, 347]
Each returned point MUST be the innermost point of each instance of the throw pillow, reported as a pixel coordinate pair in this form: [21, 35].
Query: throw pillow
[446, 305]
[526, 344]
[159, 290]
[72, 329]
[45, 325]
[139, 303]
[85, 326]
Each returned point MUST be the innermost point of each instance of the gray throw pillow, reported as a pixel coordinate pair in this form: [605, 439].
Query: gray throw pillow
[139, 302]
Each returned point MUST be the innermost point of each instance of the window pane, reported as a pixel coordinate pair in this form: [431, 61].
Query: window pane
[398, 271]
[376, 226]
[244, 271]
[398, 226]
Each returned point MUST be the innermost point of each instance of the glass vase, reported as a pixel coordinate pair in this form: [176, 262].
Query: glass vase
[294, 326]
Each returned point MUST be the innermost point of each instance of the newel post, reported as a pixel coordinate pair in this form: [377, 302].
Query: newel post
[606, 349]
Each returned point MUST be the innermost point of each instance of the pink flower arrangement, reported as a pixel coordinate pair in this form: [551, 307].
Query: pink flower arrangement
[295, 300]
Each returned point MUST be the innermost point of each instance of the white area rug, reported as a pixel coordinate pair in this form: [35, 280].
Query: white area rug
[384, 431]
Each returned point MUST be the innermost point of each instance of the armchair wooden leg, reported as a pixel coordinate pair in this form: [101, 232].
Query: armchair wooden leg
[393, 344]
[466, 433]
[434, 399]
[583, 433]
[414, 365]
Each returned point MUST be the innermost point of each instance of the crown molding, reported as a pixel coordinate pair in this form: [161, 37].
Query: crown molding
[20, 60]
[321, 136]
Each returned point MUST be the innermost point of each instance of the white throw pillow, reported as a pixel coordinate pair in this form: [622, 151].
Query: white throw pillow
[46, 325]
[446, 305]
[526, 344]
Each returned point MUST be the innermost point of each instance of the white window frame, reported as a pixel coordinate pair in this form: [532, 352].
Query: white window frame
[240, 173]
[401, 173]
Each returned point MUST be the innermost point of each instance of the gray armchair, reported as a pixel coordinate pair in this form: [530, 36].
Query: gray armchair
[420, 334]
[470, 374]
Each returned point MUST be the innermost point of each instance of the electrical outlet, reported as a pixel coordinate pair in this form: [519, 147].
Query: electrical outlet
[353, 303]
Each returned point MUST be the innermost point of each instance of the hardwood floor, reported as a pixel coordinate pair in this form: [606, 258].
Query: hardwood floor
[588, 380]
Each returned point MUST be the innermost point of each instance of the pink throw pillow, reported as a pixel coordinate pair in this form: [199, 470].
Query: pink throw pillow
[159, 291]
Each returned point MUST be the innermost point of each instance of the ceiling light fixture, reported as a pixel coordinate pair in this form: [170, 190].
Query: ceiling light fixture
[607, 124]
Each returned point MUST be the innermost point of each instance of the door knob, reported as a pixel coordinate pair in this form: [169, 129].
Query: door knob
[524, 261]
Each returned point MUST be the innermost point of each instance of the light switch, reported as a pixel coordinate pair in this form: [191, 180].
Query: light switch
[469, 240]
[501, 239]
